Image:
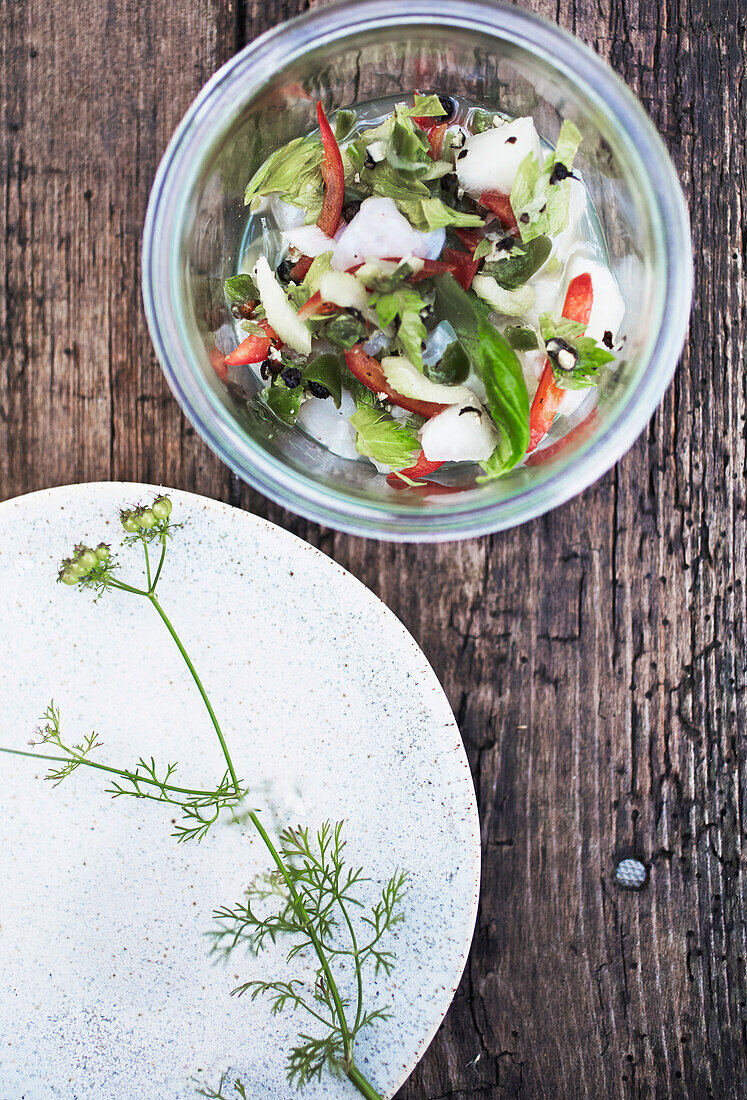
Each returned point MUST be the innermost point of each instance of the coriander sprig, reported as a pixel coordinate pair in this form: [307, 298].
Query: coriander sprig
[311, 885]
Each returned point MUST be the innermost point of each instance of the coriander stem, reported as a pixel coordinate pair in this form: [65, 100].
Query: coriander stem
[193, 671]
[362, 1083]
[160, 564]
[352, 1071]
[107, 768]
[299, 906]
[147, 565]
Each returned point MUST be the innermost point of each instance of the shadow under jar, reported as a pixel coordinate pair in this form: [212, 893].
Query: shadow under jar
[505, 59]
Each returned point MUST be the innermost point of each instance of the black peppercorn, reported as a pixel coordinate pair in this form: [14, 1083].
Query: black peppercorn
[292, 377]
[462, 153]
[350, 209]
[607, 339]
[524, 218]
[559, 173]
[316, 389]
[511, 140]
[563, 354]
[449, 106]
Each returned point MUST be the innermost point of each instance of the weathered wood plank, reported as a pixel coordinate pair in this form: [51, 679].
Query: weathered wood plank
[595, 657]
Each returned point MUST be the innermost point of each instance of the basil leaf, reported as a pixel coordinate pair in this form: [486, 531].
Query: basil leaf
[455, 305]
[452, 368]
[295, 171]
[240, 289]
[521, 339]
[538, 198]
[515, 270]
[344, 123]
[327, 371]
[283, 402]
[508, 401]
[380, 436]
[344, 330]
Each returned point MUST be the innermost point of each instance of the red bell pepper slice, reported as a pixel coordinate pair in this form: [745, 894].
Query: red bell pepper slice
[463, 266]
[470, 238]
[579, 299]
[436, 134]
[254, 349]
[369, 371]
[430, 268]
[300, 270]
[422, 467]
[334, 177]
[500, 205]
[315, 307]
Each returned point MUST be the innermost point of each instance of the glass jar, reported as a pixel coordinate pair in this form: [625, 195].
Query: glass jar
[503, 57]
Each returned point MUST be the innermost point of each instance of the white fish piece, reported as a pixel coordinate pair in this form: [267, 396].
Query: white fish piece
[329, 425]
[378, 231]
[461, 433]
[608, 307]
[437, 343]
[308, 239]
[490, 160]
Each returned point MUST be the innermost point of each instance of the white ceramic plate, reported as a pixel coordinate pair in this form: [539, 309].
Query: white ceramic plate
[332, 711]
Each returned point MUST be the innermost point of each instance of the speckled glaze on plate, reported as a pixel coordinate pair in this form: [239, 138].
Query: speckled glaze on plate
[332, 711]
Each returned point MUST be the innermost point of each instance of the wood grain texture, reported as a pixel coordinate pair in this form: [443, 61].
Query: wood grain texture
[595, 657]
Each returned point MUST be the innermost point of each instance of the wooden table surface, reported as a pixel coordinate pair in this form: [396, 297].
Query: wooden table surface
[595, 658]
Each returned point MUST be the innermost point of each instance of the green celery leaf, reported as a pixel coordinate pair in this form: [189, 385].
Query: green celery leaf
[380, 436]
[591, 358]
[508, 401]
[550, 326]
[320, 265]
[327, 371]
[427, 214]
[295, 171]
[408, 148]
[344, 122]
[541, 207]
[513, 271]
[240, 289]
[426, 106]
[404, 302]
[482, 249]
